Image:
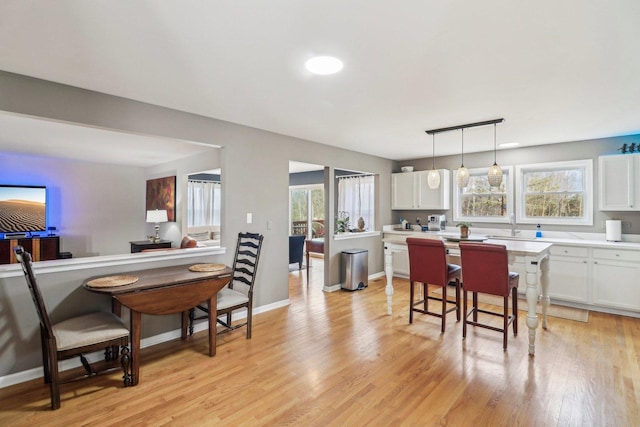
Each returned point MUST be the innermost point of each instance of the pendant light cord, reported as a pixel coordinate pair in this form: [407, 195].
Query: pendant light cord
[462, 154]
[433, 155]
[494, 145]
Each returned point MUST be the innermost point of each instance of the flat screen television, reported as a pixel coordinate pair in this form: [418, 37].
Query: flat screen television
[23, 208]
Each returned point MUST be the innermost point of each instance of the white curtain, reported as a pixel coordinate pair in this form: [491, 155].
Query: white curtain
[203, 201]
[356, 197]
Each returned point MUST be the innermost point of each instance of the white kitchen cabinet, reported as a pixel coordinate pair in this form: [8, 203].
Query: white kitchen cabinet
[619, 182]
[410, 190]
[615, 276]
[569, 273]
[402, 190]
[401, 263]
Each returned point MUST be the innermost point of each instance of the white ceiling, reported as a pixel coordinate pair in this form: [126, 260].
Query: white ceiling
[556, 71]
[26, 135]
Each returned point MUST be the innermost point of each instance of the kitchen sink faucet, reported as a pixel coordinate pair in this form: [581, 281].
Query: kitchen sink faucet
[512, 221]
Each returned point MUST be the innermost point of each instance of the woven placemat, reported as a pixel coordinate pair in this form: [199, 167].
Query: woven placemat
[207, 267]
[112, 281]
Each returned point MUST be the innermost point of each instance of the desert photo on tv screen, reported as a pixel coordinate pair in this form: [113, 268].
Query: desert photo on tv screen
[22, 209]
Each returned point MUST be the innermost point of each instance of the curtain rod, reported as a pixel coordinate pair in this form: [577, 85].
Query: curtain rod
[356, 175]
[203, 180]
[469, 125]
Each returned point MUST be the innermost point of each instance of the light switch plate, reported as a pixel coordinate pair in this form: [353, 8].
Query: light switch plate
[249, 217]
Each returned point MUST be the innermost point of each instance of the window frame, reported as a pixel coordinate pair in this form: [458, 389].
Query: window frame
[457, 205]
[585, 164]
[370, 223]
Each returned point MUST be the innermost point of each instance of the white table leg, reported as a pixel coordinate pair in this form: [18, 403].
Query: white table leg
[532, 270]
[388, 270]
[544, 285]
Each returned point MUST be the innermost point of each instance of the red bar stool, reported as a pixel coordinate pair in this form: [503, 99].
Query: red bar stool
[428, 265]
[486, 270]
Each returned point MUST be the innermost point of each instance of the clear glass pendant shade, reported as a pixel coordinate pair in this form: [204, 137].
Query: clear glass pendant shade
[495, 175]
[433, 179]
[462, 176]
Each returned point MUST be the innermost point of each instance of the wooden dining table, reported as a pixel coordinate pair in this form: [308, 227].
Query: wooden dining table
[536, 260]
[160, 291]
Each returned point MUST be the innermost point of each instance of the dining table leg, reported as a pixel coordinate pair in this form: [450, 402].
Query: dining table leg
[135, 321]
[213, 308]
[388, 269]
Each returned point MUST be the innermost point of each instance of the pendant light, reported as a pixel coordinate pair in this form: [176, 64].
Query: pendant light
[433, 178]
[495, 172]
[462, 175]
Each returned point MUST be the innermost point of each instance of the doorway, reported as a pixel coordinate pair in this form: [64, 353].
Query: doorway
[306, 219]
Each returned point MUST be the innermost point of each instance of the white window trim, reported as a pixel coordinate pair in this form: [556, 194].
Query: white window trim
[508, 170]
[587, 164]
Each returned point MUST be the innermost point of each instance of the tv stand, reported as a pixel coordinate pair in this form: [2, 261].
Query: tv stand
[41, 248]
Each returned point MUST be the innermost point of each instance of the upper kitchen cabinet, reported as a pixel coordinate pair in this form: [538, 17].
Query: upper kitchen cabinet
[619, 186]
[410, 190]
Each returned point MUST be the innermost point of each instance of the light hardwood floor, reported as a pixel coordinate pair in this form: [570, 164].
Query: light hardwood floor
[338, 359]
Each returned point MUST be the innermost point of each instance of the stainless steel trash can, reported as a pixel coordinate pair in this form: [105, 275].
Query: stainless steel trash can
[354, 272]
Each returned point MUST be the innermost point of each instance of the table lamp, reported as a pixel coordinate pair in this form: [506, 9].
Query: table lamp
[157, 216]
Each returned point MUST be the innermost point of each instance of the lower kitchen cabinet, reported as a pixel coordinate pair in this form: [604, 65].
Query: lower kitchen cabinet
[569, 273]
[615, 276]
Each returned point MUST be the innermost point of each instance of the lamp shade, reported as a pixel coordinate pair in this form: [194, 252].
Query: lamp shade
[157, 216]
[495, 175]
[462, 176]
[433, 179]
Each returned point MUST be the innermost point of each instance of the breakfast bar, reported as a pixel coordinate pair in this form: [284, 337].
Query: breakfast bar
[535, 254]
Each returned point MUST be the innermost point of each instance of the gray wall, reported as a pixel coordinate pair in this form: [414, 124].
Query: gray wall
[578, 150]
[254, 168]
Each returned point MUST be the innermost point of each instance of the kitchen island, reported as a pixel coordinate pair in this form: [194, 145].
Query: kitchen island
[535, 254]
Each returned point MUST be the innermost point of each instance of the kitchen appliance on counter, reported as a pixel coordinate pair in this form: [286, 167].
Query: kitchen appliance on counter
[437, 222]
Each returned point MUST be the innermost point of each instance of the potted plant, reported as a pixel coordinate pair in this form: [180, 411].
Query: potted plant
[343, 225]
[464, 229]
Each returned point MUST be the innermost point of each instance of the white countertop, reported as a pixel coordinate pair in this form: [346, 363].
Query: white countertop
[569, 239]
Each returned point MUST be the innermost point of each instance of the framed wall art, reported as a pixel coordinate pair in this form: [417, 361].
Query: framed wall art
[161, 194]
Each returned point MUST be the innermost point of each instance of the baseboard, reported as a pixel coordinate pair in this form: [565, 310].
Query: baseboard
[35, 373]
[336, 287]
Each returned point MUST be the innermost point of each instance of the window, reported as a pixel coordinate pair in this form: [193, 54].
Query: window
[555, 193]
[356, 198]
[203, 203]
[479, 202]
[307, 211]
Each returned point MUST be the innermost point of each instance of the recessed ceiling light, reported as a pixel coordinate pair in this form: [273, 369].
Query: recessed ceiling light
[509, 144]
[324, 65]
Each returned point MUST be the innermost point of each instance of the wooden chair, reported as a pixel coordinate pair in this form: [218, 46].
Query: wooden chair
[486, 270]
[76, 336]
[428, 265]
[238, 294]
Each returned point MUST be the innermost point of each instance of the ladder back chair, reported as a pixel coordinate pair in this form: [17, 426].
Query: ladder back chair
[238, 294]
[428, 265]
[486, 270]
[76, 336]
